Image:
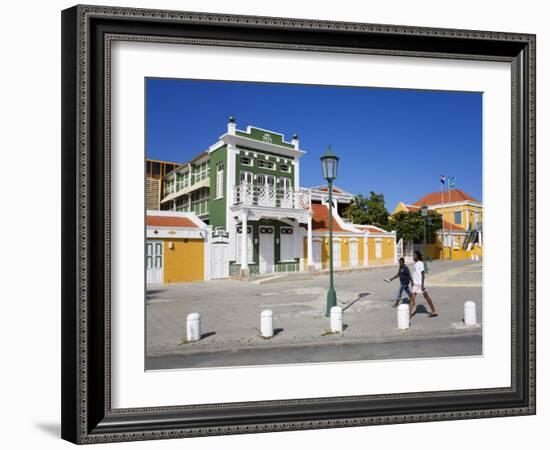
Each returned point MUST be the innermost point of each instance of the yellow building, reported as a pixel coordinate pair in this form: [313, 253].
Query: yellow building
[354, 246]
[177, 248]
[462, 217]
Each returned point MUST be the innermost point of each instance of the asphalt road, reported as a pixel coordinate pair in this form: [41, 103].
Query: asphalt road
[456, 346]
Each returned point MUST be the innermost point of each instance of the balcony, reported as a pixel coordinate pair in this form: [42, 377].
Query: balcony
[182, 188]
[270, 197]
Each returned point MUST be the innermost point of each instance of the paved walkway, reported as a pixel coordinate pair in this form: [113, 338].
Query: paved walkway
[230, 310]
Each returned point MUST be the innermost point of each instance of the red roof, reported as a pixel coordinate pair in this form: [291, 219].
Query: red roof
[452, 226]
[320, 218]
[434, 198]
[325, 189]
[170, 221]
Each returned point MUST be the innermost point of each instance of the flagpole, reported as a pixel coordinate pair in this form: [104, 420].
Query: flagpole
[441, 183]
[450, 219]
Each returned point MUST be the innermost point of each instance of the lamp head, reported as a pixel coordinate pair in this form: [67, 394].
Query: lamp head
[329, 162]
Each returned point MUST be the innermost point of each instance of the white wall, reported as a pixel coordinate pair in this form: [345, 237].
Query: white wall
[30, 105]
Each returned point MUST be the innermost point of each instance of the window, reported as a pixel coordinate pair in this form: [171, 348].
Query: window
[458, 217]
[285, 168]
[179, 182]
[246, 161]
[264, 164]
[285, 193]
[199, 200]
[185, 179]
[202, 171]
[169, 187]
[182, 203]
[219, 180]
[378, 248]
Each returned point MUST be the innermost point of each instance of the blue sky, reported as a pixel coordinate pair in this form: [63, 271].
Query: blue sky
[392, 141]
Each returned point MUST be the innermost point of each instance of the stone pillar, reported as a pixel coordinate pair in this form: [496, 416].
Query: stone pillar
[310, 264]
[244, 244]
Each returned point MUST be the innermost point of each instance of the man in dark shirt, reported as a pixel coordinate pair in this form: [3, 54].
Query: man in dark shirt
[404, 275]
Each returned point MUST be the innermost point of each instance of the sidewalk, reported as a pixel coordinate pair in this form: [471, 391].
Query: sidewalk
[230, 311]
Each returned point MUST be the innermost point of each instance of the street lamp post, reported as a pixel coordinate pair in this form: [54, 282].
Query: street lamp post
[329, 162]
[424, 214]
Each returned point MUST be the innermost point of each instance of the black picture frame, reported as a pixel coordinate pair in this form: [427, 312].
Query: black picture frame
[87, 416]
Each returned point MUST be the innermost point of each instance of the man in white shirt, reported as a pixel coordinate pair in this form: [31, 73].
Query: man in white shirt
[418, 278]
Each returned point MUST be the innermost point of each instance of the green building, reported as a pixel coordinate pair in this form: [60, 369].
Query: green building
[246, 186]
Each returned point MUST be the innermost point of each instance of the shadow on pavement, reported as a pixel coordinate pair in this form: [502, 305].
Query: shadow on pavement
[360, 296]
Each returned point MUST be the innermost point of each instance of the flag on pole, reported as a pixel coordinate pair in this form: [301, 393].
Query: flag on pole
[452, 182]
[442, 179]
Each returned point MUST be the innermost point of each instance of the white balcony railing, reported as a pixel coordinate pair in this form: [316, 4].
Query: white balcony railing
[260, 195]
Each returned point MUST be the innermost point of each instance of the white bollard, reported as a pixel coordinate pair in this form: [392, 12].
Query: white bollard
[266, 323]
[336, 319]
[470, 313]
[193, 327]
[403, 316]
[472, 257]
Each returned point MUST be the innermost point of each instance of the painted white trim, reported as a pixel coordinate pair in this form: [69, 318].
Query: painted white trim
[249, 129]
[337, 233]
[262, 146]
[153, 242]
[215, 146]
[458, 233]
[369, 226]
[208, 254]
[463, 203]
[175, 233]
[317, 189]
[366, 249]
[230, 224]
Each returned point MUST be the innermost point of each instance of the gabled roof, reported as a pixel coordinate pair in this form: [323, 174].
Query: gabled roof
[320, 219]
[163, 221]
[452, 226]
[174, 219]
[335, 190]
[434, 198]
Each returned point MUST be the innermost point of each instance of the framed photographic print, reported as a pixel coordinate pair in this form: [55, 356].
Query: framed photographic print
[280, 224]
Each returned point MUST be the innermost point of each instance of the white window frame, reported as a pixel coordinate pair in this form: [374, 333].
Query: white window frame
[219, 180]
[264, 164]
[249, 159]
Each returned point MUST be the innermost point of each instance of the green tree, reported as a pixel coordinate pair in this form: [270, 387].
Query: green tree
[410, 225]
[368, 211]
